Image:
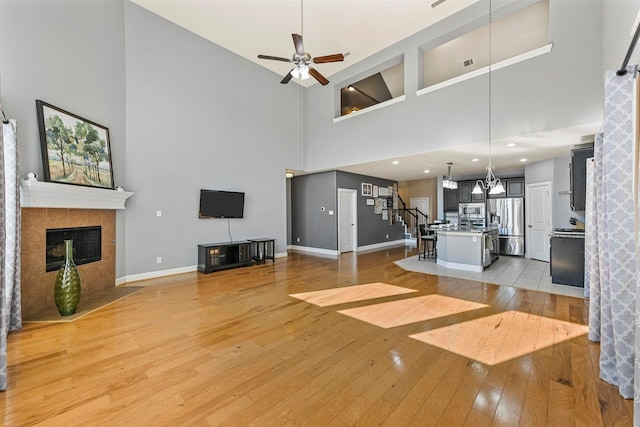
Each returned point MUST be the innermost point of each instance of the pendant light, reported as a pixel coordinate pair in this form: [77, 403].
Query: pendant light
[449, 182]
[491, 183]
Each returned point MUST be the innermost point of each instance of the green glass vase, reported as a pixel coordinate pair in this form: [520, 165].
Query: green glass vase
[68, 285]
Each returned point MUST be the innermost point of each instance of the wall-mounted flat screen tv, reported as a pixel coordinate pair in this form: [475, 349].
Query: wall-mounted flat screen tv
[221, 204]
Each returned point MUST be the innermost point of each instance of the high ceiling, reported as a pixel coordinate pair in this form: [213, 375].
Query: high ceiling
[252, 27]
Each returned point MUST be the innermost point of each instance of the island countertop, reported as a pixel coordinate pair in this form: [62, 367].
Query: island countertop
[455, 229]
[467, 248]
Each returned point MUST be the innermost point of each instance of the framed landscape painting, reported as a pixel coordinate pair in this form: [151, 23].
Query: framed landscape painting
[74, 150]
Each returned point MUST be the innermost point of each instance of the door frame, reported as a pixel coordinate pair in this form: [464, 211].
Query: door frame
[354, 217]
[528, 236]
[428, 202]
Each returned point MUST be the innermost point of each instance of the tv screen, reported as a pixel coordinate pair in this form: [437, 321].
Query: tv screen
[221, 204]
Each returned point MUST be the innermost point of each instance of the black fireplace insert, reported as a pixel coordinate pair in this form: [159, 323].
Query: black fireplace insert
[87, 245]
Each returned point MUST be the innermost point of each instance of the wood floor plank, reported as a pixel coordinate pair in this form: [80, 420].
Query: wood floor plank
[232, 348]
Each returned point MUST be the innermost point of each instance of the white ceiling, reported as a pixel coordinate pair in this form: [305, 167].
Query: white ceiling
[252, 27]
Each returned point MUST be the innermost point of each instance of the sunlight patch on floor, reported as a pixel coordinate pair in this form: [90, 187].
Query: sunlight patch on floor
[501, 337]
[411, 310]
[335, 296]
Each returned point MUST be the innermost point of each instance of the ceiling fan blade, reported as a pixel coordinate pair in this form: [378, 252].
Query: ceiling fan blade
[329, 58]
[297, 42]
[286, 78]
[274, 58]
[319, 77]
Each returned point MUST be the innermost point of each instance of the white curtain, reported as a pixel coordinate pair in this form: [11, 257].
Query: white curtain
[10, 309]
[611, 269]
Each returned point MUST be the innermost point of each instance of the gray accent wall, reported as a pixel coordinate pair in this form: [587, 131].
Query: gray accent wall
[200, 117]
[311, 226]
[371, 228]
[314, 227]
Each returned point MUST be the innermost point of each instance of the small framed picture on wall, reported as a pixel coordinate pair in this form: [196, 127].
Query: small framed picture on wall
[367, 189]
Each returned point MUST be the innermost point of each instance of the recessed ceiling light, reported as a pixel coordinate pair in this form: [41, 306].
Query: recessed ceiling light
[523, 160]
[474, 160]
[511, 144]
[351, 88]
[395, 162]
[427, 171]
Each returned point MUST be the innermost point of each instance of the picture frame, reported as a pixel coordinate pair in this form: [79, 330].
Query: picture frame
[382, 192]
[75, 150]
[367, 189]
[380, 205]
[370, 202]
[375, 191]
[385, 215]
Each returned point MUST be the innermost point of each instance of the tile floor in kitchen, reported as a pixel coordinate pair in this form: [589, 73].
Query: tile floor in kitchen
[513, 271]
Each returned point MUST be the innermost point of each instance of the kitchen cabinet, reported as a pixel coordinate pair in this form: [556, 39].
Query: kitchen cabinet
[578, 176]
[451, 200]
[515, 187]
[465, 189]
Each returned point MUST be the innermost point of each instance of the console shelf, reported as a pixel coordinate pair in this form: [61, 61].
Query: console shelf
[220, 256]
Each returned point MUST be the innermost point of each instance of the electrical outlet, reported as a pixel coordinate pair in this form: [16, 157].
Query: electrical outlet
[297, 239]
[159, 260]
[387, 236]
[158, 212]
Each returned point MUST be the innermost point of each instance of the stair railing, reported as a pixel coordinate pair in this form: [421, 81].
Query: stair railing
[412, 217]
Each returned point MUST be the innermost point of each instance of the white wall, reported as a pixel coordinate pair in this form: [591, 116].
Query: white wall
[556, 90]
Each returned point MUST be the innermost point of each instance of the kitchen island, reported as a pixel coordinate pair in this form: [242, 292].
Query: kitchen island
[467, 248]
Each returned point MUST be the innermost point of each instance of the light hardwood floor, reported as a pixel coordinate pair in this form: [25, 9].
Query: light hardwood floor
[235, 348]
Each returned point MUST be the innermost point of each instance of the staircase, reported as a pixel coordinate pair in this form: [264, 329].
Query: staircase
[411, 218]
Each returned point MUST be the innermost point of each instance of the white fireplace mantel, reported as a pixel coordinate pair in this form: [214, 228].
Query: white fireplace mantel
[40, 194]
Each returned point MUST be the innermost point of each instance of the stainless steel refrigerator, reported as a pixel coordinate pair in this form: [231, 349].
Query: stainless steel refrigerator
[508, 215]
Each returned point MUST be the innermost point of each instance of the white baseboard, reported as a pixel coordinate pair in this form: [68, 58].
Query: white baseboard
[458, 266]
[382, 245]
[154, 274]
[170, 272]
[316, 251]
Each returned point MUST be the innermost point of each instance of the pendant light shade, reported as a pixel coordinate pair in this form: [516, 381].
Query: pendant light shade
[448, 182]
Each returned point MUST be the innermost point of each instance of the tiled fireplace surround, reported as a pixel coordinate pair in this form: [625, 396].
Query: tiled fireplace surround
[37, 284]
[50, 205]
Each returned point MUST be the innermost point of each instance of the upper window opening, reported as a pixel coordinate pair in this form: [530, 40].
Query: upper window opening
[515, 34]
[377, 87]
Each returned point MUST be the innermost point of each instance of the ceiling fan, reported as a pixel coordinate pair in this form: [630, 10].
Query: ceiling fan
[302, 61]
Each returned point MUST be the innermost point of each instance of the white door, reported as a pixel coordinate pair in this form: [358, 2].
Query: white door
[422, 203]
[347, 214]
[538, 220]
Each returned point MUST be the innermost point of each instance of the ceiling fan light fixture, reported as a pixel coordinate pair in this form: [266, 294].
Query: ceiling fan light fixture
[304, 72]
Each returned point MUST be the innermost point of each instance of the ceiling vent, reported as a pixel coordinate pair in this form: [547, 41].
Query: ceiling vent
[437, 3]
[466, 63]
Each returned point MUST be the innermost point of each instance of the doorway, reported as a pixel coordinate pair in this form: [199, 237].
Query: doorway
[347, 220]
[538, 218]
[422, 203]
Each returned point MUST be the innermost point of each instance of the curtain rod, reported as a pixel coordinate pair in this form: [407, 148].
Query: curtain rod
[623, 68]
